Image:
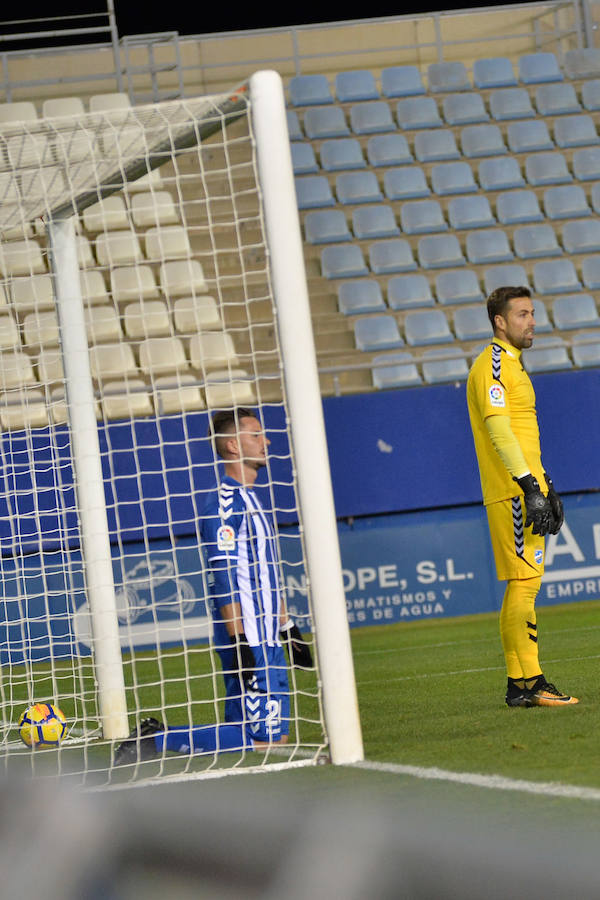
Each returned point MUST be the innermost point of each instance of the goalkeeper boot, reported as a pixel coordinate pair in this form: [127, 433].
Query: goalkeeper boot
[139, 746]
[542, 693]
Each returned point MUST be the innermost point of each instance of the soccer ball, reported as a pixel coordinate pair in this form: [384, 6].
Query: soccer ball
[42, 725]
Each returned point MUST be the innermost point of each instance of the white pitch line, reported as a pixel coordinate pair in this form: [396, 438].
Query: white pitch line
[490, 782]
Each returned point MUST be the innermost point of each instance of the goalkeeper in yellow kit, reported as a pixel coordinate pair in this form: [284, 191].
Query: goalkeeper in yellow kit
[521, 503]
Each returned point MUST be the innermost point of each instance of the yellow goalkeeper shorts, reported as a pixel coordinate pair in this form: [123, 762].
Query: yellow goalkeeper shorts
[517, 551]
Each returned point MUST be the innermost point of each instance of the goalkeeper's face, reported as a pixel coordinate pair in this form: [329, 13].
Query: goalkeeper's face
[252, 443]
[518, 323]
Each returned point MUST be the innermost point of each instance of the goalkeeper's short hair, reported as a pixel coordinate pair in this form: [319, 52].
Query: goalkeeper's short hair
[225, 422]
[501, 297]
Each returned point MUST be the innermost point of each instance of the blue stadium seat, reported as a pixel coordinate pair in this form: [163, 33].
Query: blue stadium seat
[472, 323]
[313, 191]
[453, 178]
[488, 246]
[470, 211]
[303, 158]
[387, 257]
[377, 333]
[595, 197]
[586, 349]
[529, 135]
[373, 117]
[436, 145]
[418, 112]
[326, 226]
[343, 261]
[357, 187]
[556, 99]
[325, 122]
[536, 68]
[422, 217]
[464, 109]
[441, 366]
[293, 124]
[440, 251]
[388, 150]
[338, 154]
[566, 202]
[582, 236]
[448, 76]
[369, 222]
[586, 164]
[575, 131]
[547, 168]
[517, 207]
[555, 276]
[409, 291]
[500, 174]
[493, 72]
[360, 295]
[502, 275]
[356, 85]
[460, 286]
[401, 81]
[309, 90]
[536, 241]
[395, 370]
[575, 311]
[590, 94]
[482, 140]
[582, 63]
[546, 358]
[427, 326]
[542, 321]
[590, 272]
[510, 103]
[405, 183]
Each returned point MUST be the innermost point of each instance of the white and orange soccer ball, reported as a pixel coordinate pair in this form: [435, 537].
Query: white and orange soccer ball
[42, 725]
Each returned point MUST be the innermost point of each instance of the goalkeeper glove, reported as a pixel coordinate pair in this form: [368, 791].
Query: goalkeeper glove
[537, 507]
[298, 650]
[556, 504]
[243, 657]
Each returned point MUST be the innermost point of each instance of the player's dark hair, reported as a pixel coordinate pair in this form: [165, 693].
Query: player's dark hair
[225, 422]
[501, 297]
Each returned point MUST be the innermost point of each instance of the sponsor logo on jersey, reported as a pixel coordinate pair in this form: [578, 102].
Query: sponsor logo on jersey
[496, 394]
[226, 538]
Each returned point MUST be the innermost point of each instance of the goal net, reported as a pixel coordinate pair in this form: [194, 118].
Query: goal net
[151, 273]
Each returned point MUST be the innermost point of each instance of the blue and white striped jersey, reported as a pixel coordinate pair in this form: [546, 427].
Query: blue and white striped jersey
[240, 547]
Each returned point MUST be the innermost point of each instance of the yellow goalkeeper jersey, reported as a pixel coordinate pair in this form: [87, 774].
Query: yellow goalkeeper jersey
[498, 385]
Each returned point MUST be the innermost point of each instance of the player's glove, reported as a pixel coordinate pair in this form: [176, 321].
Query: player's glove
[538, 512]
[556, 503]
[298, 650]
[243, 657]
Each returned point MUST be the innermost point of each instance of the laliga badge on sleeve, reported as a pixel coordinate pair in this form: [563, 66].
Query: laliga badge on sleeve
[496, 395]
[226, 538]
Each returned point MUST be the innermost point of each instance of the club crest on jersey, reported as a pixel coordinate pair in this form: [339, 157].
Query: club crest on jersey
[226, 538]
[538, 557]
[496, 394]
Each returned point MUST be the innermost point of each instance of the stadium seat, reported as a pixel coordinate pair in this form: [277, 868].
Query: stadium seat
[309, 90]
[106, 215]
[582, 63]
[448, 76]
[585, 349]
[356, 85]
[159, 355]
[17, 370]
[493, 72]
[418, 112]
[177, 393]
[114, 103]
[85, 257]
[229, 387]
[112, 361]
[146, 318]
[325, 122]
[93, 288]
[343, 261]
[62, 106]
[389, 256]
[555, 276]
[422, 217]
[293, 123]
[313, 192]
[373, 117]
[181, 278]
[212, 351]
[167, 242]
[503, 274]
[547, 168]
[304, 161]
[464, 109]
[586, 164]
[582, 237]
[388, 150]
[510, 103]
[440, 251]
[470, 211]
[405, 183]
[370, 222]
[472, 323]
[341, 153]
[326, 226]
[427, 326]
[32, 292]
[377, 333]
[116, 248]
[499, 174]
[595, 198]
[535, 68]
[590, 94]
[21, 258]
[409, 291]
[9, 332]
[18, 111]
[482, 140]
[575, 131]
[435, 145]
[458, 287]
[401, 81]
[395, 370]
[517, 207]
[453, 178]
[360, 295]
[126, 399]
[542, 320]
[192, 314]
[441, 366]
[132, 283]
[528, 136]
[590, 272]
[535, 241]
[24, 410]
[357, 187]
[557, 99]
[566, 202]
[488, 246]
[542, 358]
[575, 311]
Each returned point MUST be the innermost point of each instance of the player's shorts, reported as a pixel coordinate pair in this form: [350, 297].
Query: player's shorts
[518, 552]
[263, 707]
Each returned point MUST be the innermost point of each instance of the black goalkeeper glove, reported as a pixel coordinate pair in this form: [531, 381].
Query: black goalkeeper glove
[298, 650]
[537, 507]
[556, 504]
[243, 657]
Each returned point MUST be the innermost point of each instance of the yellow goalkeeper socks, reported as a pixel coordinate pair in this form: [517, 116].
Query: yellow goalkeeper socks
[518, 629]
